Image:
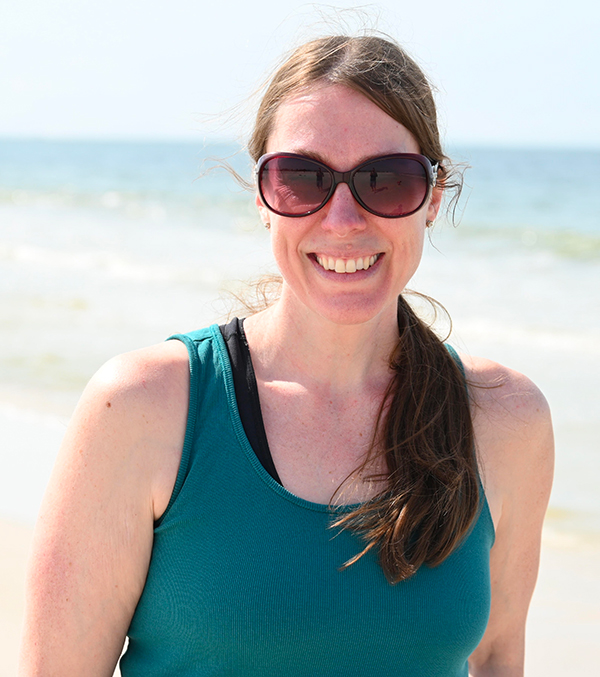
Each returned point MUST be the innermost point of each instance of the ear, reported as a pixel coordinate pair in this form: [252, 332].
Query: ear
[265, 216]
[435, 202]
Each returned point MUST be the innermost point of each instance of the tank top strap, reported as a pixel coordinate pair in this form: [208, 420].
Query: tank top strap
[191, 341]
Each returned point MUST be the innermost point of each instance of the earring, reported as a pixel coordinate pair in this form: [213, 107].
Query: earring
[429, 223]
[267, 225]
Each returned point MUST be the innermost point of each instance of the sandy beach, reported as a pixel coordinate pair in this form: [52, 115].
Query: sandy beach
[15, 540]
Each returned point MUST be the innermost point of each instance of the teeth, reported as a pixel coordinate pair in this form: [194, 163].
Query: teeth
[347, 265]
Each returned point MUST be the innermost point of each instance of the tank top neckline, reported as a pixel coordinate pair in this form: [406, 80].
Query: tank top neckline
[247, 447]
[257, 465]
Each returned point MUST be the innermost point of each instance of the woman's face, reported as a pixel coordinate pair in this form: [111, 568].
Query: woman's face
[343, 128]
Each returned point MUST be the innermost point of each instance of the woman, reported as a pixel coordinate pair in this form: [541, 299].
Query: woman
[192, 504]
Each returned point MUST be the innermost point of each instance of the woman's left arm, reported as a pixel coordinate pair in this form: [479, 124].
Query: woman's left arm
[516, 450]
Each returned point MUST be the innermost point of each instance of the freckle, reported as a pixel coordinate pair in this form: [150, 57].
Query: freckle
[108, 404]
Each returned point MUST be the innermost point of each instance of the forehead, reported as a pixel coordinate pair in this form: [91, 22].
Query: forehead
[338, 125]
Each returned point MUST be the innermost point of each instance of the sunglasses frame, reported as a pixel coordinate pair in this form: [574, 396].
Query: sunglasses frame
[348, 178]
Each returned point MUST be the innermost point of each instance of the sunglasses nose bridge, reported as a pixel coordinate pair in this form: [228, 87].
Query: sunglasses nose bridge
[343, 213]
[342, 177]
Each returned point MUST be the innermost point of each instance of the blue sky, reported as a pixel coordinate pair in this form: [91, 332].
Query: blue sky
[511, 73]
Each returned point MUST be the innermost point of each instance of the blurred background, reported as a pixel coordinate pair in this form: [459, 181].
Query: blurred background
[113, 236]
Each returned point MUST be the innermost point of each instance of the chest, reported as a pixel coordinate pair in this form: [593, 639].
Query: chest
[268, 597]
[319, 443]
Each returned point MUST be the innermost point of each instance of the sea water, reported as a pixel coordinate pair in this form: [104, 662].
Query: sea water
[107, 247]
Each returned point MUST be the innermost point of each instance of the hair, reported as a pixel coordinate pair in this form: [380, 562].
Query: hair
[424, 428]
[373, 66]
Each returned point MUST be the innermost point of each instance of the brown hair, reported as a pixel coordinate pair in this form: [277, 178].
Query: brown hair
[424, 428]
[373, 66]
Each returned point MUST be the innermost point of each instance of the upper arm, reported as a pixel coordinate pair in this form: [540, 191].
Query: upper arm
[93, 539]
[515, 446]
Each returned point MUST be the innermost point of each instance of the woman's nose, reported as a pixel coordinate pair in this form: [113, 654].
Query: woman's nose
[343, 215]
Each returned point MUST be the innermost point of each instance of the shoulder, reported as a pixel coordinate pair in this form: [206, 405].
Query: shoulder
[133, 414]
[148, 377]
[504, 396]
[140, 388]
[513, 432]
[506, 400]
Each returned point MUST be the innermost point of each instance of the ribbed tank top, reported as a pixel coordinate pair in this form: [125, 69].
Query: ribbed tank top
[245, 580]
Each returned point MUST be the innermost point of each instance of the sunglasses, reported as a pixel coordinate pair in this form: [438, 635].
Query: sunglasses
[391, 186]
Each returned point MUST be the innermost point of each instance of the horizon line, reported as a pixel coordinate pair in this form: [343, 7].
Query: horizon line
[200, 139]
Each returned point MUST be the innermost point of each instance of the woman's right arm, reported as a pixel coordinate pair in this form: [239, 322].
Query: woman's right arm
[113, 477]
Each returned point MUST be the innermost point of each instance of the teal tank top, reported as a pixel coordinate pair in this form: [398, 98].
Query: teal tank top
[245, 579]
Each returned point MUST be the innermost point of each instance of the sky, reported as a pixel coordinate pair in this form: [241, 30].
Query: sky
[510, 73]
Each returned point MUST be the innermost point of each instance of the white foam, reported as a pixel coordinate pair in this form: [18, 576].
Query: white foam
[544, 339]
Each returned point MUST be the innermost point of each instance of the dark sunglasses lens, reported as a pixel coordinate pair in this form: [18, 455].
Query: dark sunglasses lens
[293, 186]
[393, 186]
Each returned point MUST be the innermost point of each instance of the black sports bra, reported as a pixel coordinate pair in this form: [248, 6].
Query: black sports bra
[246, 393]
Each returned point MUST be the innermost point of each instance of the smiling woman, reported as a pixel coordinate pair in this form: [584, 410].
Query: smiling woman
[192, 505]
[345, 129]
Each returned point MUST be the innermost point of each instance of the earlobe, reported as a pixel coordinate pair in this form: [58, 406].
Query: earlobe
[263, 212]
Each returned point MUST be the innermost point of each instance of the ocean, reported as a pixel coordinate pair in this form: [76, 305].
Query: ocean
[109, 246]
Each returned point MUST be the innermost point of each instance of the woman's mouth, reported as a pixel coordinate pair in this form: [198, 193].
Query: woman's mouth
[346, 265]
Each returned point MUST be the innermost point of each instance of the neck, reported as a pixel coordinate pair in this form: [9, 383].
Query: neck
[291, 343]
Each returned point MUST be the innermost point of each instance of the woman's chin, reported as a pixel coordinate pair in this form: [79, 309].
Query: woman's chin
[348, 308]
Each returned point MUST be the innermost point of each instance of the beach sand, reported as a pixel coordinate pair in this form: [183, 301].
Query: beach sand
[14, 546]
[564, 619]
[563, 627]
